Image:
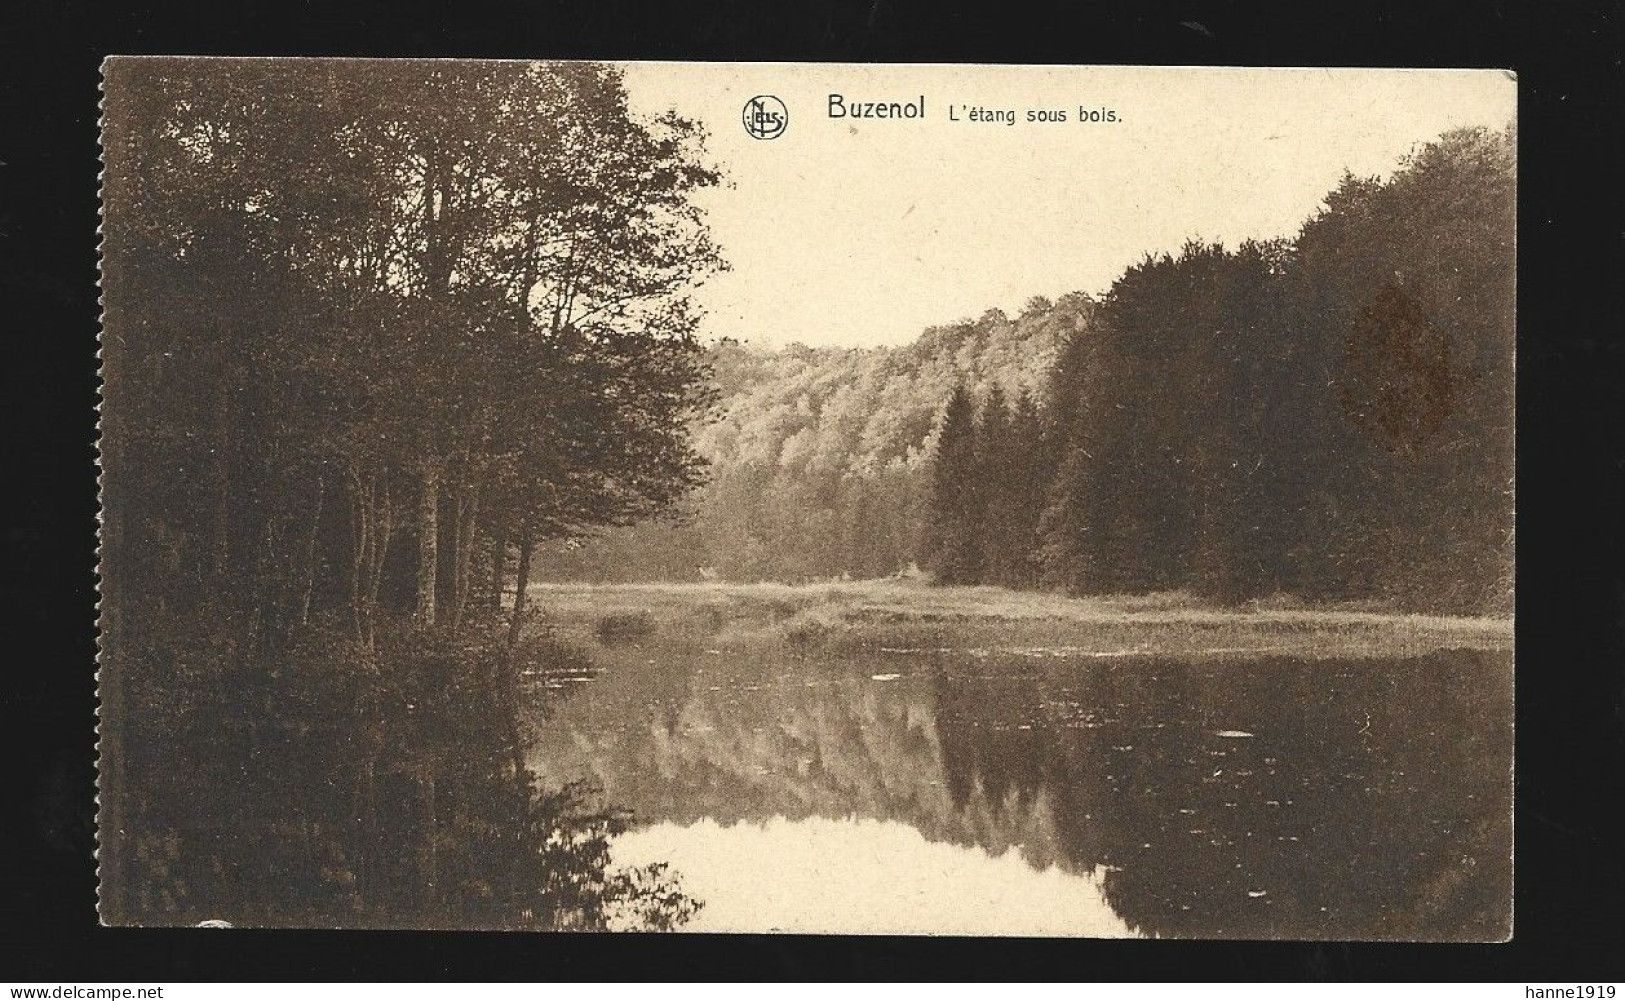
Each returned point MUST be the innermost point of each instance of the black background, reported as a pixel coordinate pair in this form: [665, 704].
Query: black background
[1571, 600]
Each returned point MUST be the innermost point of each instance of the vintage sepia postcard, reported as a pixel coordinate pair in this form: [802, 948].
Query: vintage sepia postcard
[921, 499]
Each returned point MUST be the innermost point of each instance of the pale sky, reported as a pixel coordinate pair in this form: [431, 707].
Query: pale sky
[858, 233]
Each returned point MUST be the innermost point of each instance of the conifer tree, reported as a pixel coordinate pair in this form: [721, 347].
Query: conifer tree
[957, 500]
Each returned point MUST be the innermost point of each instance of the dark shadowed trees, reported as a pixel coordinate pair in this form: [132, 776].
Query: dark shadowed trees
[481, 322]
[1417, 338]
[370, 324]
[1330, 418]
[958, 496]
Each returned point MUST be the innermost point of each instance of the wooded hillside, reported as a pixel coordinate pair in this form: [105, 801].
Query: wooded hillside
[1326, 418]
[821, 458]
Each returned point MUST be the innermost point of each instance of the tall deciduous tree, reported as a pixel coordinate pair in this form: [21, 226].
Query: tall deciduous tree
[450, 298]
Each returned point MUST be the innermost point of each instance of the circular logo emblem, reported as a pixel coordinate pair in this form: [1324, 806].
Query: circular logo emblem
[765, 117]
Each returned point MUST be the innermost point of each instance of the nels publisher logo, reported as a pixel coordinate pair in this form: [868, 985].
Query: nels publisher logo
[765, 117]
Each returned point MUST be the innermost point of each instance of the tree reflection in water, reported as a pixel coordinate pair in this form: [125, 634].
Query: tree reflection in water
[317, 793]
[1366, 801]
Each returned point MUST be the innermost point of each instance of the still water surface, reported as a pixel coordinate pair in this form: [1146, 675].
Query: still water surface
[1036, 792]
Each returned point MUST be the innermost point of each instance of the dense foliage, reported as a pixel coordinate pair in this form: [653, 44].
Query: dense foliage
[1328, 417]
[368, 326]
[822, 459]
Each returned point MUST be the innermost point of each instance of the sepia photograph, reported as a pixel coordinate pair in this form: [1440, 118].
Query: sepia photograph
[821, 498]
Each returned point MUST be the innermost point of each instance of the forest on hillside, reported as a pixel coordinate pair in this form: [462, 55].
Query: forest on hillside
[820, 459]
[1327, 418]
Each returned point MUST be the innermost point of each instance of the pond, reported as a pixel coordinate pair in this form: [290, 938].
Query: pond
[1048, 792]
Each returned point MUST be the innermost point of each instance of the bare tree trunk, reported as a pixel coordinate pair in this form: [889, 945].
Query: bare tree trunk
[384, 520]
[360, 539]
[220, 553]
[499, 557]
[465, 548]
[468, 506]
[428, 542]
[521, 582]
[371, 522]
[310, 551]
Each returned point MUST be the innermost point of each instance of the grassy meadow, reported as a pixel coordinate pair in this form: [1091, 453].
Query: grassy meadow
[911, 615]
